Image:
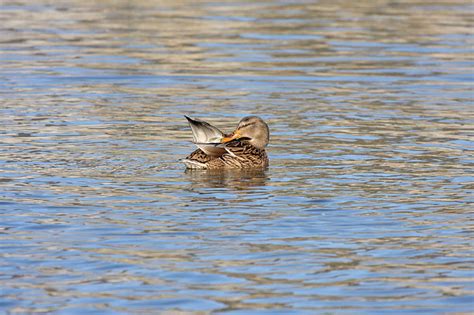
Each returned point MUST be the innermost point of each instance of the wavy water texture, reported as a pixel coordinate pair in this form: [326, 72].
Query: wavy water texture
[366, 206]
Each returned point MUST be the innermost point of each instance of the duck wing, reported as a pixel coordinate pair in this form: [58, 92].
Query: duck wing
[206, 136]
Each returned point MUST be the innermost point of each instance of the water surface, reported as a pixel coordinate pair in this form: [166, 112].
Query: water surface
[365, 208]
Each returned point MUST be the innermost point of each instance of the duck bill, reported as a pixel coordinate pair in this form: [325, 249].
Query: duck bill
[230, 137]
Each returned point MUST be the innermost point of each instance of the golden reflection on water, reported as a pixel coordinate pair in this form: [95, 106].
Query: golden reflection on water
[364, 206]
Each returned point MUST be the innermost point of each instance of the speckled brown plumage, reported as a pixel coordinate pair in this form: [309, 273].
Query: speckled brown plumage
[199, 156]
[240, 155]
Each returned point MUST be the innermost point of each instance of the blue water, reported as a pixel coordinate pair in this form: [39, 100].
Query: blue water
[366, 205]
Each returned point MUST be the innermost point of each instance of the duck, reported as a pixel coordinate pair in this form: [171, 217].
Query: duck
[244, 148]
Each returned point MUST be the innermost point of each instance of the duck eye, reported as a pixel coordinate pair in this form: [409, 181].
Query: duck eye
[245, 125]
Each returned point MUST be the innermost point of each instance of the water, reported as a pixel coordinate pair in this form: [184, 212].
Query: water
[365, 209]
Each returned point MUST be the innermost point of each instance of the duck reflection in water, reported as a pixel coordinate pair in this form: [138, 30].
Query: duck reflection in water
[230, 178]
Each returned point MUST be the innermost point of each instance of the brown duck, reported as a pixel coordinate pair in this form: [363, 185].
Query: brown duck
[242, 149]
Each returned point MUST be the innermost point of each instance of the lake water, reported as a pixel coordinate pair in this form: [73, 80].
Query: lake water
[366, 207]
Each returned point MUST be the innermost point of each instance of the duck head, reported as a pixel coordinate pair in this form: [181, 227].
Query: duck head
[251, 129]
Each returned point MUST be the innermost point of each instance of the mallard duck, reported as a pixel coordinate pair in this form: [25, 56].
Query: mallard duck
[242, 149]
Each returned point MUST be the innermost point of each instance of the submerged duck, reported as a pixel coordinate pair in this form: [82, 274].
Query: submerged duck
[242, 149]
